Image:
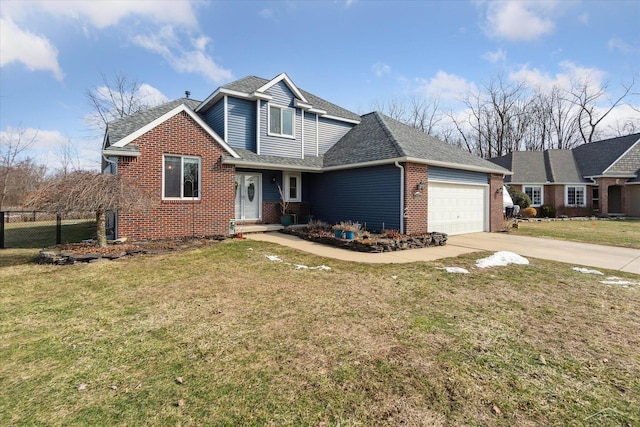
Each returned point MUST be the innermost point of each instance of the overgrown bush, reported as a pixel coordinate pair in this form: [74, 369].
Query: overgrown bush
[547, 211]
[519, 198]
[529, 212]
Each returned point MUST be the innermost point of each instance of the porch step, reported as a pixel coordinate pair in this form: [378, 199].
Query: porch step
[258, 228]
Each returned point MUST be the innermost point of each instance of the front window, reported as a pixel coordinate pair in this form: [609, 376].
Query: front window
[575, 196]
[293, 188]
[181, 177]
[281, 121]
[535, 194]
[595, 197]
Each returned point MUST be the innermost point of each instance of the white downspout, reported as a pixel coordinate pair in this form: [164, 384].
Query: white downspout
[398, 165]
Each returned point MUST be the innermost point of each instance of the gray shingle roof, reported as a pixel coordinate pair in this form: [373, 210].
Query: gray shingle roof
[594, 158]
[562, 167]
[572, 166]
[121, 128]
[250, 84]
[379, 137]
[276, 161]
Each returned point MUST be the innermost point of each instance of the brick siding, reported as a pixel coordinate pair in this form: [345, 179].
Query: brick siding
[179, 135]
[415, 204]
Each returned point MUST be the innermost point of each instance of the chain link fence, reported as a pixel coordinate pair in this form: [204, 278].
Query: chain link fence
[37, 229]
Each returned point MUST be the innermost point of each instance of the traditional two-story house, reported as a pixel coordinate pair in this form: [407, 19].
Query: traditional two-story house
[223, 160]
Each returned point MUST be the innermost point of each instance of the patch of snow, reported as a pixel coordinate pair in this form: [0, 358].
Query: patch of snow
[587, 271]
[394, 277]
[304, 267]
[273, 258]
[500, 259]
[612, 280]
[455, 270]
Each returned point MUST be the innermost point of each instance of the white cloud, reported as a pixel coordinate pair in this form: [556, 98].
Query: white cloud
[623, 47]
[494, 57]
[570, 73]
[197, 61]
[583, 18]
[34, 51]
[379, 69]
[520, 20]
[103, 14]
[446, 86]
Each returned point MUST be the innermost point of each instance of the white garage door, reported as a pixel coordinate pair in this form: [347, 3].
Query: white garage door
[457, 208]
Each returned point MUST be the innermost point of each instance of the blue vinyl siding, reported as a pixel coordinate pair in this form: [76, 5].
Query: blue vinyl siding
[330, 132]
[456, 175]
[269, 189]
[275, 145]
[281, 94]
[366, 195]
[242, 123]
[214, 117]
[309, 134]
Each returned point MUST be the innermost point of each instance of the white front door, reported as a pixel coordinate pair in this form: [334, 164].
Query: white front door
[248, 196]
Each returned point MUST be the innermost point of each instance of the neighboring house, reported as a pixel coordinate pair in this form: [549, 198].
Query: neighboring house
[600, 178]
[223, 159]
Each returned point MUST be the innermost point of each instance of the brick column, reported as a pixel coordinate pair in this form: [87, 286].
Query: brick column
[415, 198]
[496, 217]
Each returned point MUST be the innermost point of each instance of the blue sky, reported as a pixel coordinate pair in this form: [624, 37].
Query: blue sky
[353, 53]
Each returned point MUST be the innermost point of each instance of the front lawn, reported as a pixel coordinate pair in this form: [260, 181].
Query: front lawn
[225, 335]
[616, 232]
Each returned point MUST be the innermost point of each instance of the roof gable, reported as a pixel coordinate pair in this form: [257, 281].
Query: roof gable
[252, 87]
[283, 78]
[141, 130]
[595, 158]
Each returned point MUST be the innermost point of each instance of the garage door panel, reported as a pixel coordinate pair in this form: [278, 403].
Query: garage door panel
[457, 208]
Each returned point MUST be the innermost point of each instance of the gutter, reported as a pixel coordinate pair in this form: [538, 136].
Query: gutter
[399, 166]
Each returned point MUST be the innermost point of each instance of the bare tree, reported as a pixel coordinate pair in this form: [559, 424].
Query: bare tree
[496, 119]
[68, 157]
[585, 96]
[118, 97]
[12, 145]
[393, 108]
[420, 113]
[90, 192]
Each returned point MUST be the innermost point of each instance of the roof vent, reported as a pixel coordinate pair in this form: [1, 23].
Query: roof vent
[187, 93]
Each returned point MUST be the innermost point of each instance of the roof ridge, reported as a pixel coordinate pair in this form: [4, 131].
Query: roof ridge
[380, 118]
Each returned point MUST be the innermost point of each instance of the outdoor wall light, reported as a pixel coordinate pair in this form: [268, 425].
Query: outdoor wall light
[499, 190]
[417, 195]
[420, 186]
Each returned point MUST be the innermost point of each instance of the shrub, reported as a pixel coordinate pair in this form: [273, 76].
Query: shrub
[547, 211]
[529, 212]
[519, 198]
[318, 225]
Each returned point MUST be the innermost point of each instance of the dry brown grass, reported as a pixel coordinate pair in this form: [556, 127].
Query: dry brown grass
[258, 342]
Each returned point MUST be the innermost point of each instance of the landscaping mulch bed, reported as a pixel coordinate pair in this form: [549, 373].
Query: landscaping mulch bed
[89, 252]
[371, 242]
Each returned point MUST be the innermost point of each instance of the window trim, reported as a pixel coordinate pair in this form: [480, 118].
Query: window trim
[541, 187]
[293, 121]
[576, 187]
[182, 158]
[287, 186]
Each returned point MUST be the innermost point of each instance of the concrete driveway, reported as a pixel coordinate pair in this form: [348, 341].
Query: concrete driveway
[580, 254]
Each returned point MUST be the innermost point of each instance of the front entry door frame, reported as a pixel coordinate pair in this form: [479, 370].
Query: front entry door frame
[248, 200]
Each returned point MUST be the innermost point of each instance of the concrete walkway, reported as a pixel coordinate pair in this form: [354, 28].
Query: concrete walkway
[580, 254]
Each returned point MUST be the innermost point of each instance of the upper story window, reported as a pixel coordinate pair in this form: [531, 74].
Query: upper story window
[574, 195]
[535, 194]
[281, 121]
[293, 187]
[181, 177]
